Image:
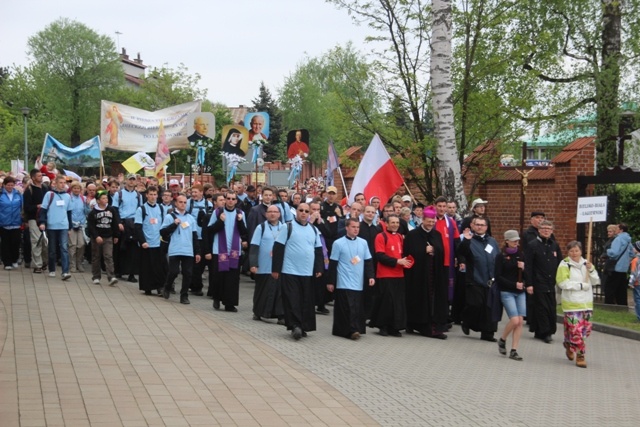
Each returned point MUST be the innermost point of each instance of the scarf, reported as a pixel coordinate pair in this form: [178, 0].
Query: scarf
[228, 260]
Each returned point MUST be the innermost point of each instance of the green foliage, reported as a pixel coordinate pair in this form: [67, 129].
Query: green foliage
[163, 88]
[628, 209]
[73, 68]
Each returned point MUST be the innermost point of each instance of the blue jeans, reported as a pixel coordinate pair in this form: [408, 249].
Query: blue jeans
[636, 299]
[58, 239]
[515, 303]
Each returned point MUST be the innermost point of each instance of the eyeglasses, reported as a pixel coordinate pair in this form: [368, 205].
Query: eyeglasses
[231, 198]
[481, 225]
[303, 210]
[546, 229]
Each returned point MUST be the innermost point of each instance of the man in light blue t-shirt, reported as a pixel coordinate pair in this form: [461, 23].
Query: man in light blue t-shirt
[297, 257]
[55, 218]
[350, 267]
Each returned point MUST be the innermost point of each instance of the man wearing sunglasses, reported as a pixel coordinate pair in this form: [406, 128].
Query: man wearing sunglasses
[227, 236]
[297, 258]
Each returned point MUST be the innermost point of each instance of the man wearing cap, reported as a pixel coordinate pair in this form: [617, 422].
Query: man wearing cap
[532, 233]
[426, 280]
[127, 201]
[479, 251]
[331, 212]
[174, 186]
[478, 210]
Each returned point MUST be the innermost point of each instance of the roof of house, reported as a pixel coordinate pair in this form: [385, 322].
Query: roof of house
[238, 113]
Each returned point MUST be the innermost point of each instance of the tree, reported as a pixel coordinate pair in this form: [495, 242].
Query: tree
[442, 101]
[577, 52]
[266, 103]
[74, 67]
[402, 29]
[330, 96]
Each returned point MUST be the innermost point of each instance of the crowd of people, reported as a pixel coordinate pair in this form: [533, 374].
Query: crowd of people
[395, 265]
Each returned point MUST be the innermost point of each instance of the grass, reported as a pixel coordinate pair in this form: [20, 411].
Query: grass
[622, 319]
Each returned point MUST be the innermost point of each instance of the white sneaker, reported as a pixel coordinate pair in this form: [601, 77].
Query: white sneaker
[52, 274]
[96, 281]
[65, 276]
[113, 281]
[14, 265]
[8, 267]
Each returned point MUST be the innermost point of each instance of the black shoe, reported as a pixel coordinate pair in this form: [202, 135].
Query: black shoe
[132, 279]
[304, 334]
[166, 293]
[322, 310]
[198, 293]
[184, 299]
[147, 292]
[547, 339]
[256, 317]
[230, 308]
[488, 338]
[439, 336]
[296, 333]
[465, 329]
[514, 355]
[502, 346]
[409, 330]
[160, 291]
[280, 321]
[383, 332]
[216, 304]
[395, 333]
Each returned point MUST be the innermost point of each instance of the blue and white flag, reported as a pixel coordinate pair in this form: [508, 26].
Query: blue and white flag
[332, 163]
[85, 155]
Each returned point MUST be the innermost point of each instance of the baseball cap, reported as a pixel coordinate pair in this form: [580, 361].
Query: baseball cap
[174, 182]
[131, 176]
[332, 189]
[406, 198]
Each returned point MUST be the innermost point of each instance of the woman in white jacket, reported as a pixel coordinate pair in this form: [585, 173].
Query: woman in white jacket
[576, 276]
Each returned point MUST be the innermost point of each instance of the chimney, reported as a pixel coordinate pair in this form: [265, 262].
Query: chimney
[124, 54]
[138, 60]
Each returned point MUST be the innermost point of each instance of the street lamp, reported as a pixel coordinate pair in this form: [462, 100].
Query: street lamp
[25, 113]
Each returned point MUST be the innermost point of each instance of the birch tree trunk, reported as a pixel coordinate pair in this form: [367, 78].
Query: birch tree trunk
[448, 166]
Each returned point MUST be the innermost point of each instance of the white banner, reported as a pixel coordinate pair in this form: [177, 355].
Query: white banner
[125, 128]
[592, 208]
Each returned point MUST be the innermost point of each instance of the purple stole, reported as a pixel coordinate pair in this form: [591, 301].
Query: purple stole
[228, 259]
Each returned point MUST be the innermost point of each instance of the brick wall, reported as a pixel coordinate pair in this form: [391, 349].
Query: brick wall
[552, 190]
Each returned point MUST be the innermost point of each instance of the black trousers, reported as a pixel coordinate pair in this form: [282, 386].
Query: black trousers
[224, 285]
[297, 301]
[615, 291]
[10, 245]
[176, 263]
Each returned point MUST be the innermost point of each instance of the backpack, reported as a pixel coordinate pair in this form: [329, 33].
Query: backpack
[144, 211]
[138, 194]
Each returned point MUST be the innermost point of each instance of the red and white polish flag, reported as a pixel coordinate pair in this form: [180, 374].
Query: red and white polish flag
[377, 175]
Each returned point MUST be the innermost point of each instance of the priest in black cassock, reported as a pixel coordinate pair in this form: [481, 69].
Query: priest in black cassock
[427, 281]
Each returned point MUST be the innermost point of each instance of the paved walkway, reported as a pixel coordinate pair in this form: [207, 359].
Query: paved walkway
[75, 354]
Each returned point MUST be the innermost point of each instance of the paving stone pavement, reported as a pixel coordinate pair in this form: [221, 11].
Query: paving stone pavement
[75, 354]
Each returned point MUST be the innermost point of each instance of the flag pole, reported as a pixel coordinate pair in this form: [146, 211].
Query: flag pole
[346, 193]
[409, 191]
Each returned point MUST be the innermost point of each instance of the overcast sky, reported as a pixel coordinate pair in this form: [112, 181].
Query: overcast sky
[233, 44]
